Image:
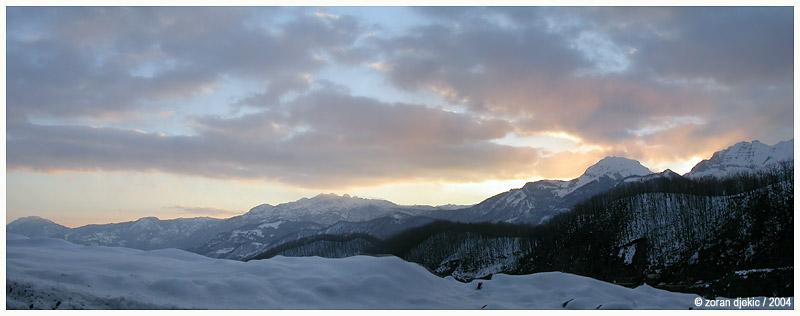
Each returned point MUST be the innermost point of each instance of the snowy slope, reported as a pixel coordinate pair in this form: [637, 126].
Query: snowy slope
[669, 174]
[265, 227]
[616, 168]
[45, 273]
[34, 226]
[328, 209]
[145, 233]
[743, 157]
[250, 239]
[536, 202]
[247, 242]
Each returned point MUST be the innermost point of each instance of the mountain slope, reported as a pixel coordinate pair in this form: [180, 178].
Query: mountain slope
[328, 209]
[265, 226]
[672, 230]
[145, 233]
[34, 226]
[243, 236]
[536, 202]
[743, 157]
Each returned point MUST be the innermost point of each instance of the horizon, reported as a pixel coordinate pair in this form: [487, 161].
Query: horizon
[347, 195]
[114, 114]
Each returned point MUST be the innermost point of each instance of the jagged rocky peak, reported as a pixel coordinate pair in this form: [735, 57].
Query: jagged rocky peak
[743, 157]
[333, 199]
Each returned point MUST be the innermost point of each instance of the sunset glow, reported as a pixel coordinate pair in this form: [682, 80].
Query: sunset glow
[117, 113]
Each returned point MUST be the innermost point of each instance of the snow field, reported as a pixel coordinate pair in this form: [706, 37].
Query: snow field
[45, 273]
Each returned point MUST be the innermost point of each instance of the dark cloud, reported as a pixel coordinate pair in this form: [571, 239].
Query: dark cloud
[600, 73]
[71, 62]
[322, 140]
[735, 46]
[732, 45]
[655, 84]
[357, 120]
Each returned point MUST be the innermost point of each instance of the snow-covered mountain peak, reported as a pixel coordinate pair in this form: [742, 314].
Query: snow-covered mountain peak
[329, 208]
[536, 202]
[743, 157]
[669, 174]
[36, 226]
[260, 210]
[616, 168]
[146, 223]
[30, 220]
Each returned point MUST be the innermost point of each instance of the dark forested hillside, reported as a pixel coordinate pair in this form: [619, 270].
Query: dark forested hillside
[326, 245]
[700, 236]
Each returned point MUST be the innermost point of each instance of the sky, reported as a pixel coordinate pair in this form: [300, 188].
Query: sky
[117, 113]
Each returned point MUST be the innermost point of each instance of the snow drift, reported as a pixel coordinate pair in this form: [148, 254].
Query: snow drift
[46, 273]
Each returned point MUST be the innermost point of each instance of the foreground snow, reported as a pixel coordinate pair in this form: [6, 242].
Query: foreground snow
[45, 273]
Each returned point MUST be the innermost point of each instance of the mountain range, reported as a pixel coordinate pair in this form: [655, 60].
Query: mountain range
[265, 226]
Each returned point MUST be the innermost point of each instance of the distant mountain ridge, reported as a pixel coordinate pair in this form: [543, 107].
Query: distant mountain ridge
[328, 209]
[242, 236]
[266, 226]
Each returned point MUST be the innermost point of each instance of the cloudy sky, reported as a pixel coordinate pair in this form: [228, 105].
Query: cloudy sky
[118, 113]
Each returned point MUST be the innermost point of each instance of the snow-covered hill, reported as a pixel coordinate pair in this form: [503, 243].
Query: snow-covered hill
[37, 226]
[45, 273]
[266, 226]
[536, 202]
[743, 157]
[328, 209]
[146, 233]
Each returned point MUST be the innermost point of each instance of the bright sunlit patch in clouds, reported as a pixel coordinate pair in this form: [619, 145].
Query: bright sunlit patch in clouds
[679, 166]
[324, 15]
[550, 141]
[564, 136]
